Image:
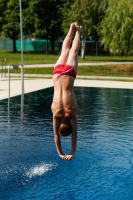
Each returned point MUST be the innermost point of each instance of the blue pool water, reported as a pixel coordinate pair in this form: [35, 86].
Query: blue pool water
[102, 168]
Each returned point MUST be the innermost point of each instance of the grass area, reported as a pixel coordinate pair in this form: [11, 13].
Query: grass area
[125, 70]
[29, 58]
[111, 70]
[42, 58]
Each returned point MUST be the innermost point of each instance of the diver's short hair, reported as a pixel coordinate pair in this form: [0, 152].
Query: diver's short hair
[65, 129]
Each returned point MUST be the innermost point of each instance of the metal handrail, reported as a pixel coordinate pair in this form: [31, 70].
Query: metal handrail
[8, 94]
[22, 94]
[4, 63]
[9, 79]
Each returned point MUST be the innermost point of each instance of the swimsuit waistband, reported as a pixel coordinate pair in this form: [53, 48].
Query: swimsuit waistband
[64, 70]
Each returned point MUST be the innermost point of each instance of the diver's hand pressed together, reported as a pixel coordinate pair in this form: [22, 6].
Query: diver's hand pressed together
[66, 157]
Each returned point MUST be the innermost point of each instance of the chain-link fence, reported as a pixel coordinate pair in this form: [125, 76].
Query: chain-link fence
[44, 46]
[28, 45]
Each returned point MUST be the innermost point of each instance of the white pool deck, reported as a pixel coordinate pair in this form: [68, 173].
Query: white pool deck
[34, 84]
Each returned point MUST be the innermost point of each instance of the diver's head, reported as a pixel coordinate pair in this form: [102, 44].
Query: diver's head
[65, 128]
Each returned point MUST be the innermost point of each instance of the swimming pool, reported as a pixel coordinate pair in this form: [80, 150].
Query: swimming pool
[102, 168]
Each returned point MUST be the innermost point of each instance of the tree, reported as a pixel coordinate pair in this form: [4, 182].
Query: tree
[10, 19]
[47, 19]
[96, 15]
[11, 27]
[116, 27]
[28, 18]
[86, 13]
[3, 7]
[2, 10]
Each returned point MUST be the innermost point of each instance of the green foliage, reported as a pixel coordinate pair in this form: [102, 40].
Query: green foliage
[11, 27]
[3, 7]
[117, 26]
[50, 18]
[96, 15]
[79, 12]
[41, 17]
[28, 18]
[47, 19]
[11, 16]
[86, 13]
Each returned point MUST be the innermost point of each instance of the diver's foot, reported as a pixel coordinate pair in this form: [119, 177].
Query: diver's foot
[73, 26]
[78, 28]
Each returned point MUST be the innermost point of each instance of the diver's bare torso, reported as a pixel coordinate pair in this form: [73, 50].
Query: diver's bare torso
[64, 102]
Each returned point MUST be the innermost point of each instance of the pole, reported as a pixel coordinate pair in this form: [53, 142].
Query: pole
[22, 60]
[8, 94]
[9, 82]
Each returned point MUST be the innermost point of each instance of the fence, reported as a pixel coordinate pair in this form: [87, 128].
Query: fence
[28, 45]
[44, 46]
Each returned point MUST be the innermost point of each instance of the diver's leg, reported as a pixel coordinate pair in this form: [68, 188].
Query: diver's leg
[66, 46]
[73, 53]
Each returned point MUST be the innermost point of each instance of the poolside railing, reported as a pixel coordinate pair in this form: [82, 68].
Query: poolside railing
[4, 64]
[22, 84]
[13, 67]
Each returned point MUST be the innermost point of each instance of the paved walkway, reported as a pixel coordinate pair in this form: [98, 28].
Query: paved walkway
[80, 64]
[15, 86]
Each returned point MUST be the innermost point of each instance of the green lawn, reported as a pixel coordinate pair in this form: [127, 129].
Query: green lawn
[112, 70]
[42, 58]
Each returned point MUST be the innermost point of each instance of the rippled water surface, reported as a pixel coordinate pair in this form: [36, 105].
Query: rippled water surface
[102, 168]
